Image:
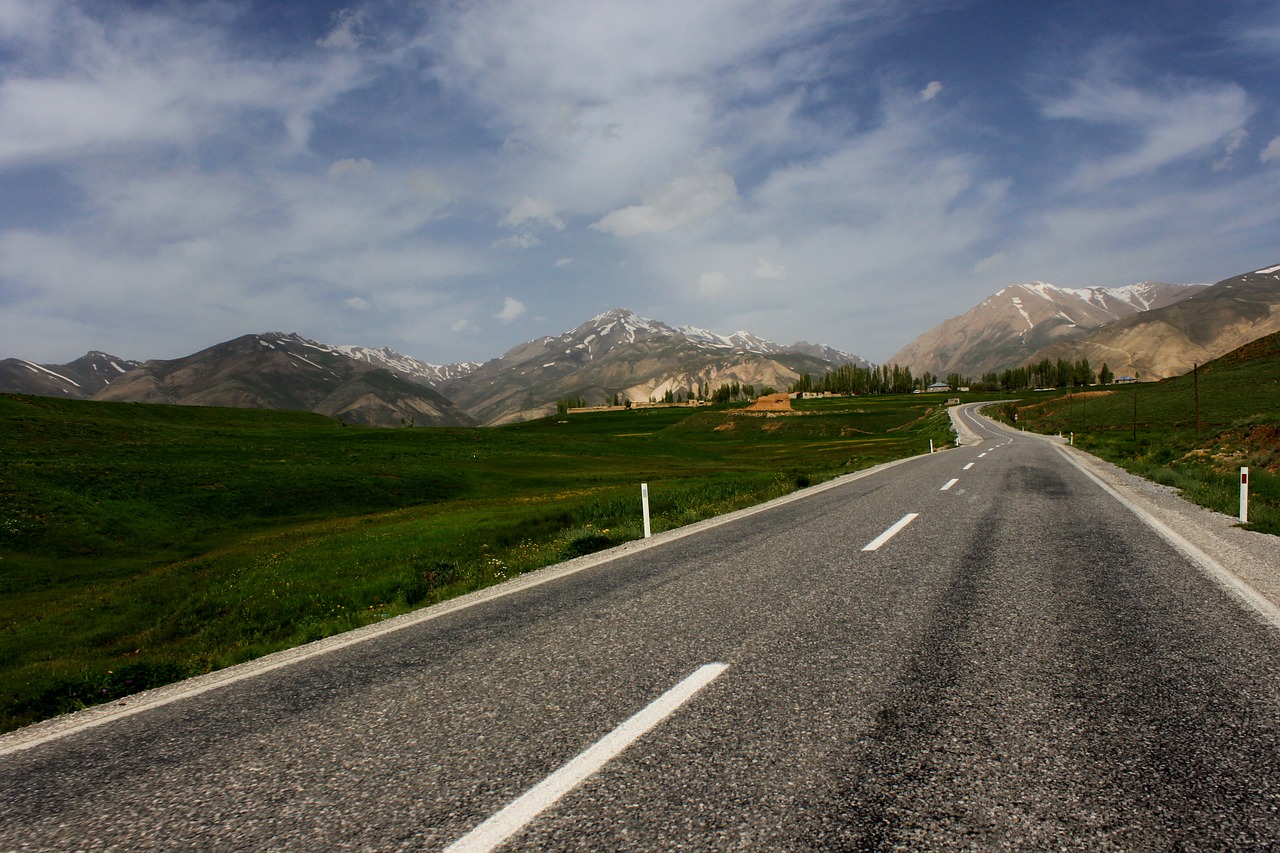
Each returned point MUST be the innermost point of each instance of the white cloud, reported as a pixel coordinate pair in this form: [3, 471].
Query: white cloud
[769, 269]
[147, 80]
[426, 184]
[532, 210]
[357, 303]
[562, 262]
[1271, 152]
[1166, 123]
[347, 32]
[712, 284]
[991, 262]
[349, 168]
[928, 93]
[463, 325]
[684, 200]
[518, 241]
[512, 309]
[1233, 142]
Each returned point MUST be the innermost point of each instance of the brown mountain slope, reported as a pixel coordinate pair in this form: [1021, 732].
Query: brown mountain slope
[1005, 329]
[79, 379]
[278, 371]
[621, 353]
[1169, 341]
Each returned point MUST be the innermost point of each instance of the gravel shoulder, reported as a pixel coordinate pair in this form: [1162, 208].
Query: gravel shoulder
[1252, 557]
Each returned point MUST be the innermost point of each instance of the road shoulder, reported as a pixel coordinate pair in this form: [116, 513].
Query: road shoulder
[1252, 559]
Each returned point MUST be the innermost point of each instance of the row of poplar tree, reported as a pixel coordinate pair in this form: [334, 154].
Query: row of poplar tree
[895, 379]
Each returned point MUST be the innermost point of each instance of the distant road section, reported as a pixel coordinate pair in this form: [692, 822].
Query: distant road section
[1024, 663]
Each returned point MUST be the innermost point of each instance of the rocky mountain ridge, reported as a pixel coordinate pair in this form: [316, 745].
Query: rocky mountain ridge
[1169, 340]
[635, 358]
[1010, 327]
[276, 370]
[614, 353]
[79, 379]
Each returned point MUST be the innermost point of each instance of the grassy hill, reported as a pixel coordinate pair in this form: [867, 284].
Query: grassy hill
[1160, 438]
[142, 543]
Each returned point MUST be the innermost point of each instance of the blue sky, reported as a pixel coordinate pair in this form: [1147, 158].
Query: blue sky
[453, 178]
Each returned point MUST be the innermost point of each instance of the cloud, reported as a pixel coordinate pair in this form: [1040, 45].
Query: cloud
[512, 309]
[348, 30]
[928, 93]
[349, 168]
[1234, 140]
[463, 325]
[532, 210]
[1161, 123]
[518, 241]
[141, 81]
[357, 303]
[1271, 152]
[768, 269]
[991, 262]
[712, 284]
[684, 200]
[562, 262]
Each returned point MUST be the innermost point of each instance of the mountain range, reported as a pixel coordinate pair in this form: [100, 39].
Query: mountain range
[616, 353]
[638, 359]
[1151, 330]
[1170, 340]
[1013, 326]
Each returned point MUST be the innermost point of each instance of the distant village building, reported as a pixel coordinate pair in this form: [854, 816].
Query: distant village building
[1125, 380]
[938, 386]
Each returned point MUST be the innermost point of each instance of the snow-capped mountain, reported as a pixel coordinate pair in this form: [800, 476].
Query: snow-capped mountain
[1008, 327]
[622, 353]
[79, 379]
[407, 366]
[1167, 340]
[275, 370]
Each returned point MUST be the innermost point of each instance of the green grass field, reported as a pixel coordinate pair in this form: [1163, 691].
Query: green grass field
[140, 544]
[1151, 429]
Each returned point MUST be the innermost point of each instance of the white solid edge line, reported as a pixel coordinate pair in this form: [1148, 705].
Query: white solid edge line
[1261, 606]
[98, 715]
[875, 544]
[949, 484]
[519, 812]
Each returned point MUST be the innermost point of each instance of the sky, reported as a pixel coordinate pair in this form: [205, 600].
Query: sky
[450, 179]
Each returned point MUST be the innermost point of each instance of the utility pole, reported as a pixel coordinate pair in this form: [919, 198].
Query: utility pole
[1135, 405]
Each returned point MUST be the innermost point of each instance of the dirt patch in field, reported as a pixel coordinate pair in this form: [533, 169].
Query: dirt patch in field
[1254, 445]
[772, 403]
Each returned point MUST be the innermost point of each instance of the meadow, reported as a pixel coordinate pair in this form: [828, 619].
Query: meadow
[140, 544]
[1159, 431]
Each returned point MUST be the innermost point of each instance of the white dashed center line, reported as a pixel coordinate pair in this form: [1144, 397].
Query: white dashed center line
[970, 465]
[517, 814]
[874, 544]
[949, 484]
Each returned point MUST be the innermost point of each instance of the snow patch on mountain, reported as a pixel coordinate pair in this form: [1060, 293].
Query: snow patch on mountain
[412, 368]
[36, 368]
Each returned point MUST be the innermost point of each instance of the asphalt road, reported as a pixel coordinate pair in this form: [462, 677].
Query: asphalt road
[1021, 665]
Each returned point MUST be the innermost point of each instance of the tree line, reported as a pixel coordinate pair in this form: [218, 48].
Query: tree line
[1046, 373]
[895, 379]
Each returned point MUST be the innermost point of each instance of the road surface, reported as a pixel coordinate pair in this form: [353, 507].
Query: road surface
[975, 649]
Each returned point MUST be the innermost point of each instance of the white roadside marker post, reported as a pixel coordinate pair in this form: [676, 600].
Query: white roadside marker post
[931, 445]
[644, 503]
[1244, 495]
